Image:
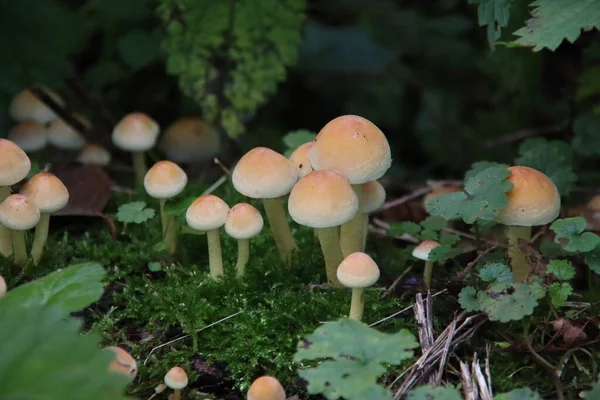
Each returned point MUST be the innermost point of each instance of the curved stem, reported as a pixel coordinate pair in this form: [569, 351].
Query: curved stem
[280, 228]
[351, 233]
[139, 167]
[40, 238]
[5, 235]
[358, 304]
[330, 244]
[427, 274]
[243, 257]
[215, 259]
[518, 259]
[20, 251]
[168, 228]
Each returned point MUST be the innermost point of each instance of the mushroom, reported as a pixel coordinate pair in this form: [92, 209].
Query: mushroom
[176, 379]
[358, 149]
[163, 181]
[94, 154]
[29, 136]
[422, 253]
[209, 213]
[243, 222]
[14, 167]
[324, 200]
[266, 388]
[123, 363]
[18, 214]
[594, 203]
[301, 159]
[357, 272]
[27, 107]
[49, 194]
[63, 136]
[190, 140]
[3, 288]
[265, 174]
[534, 200]
[136, 133]
[373, 197]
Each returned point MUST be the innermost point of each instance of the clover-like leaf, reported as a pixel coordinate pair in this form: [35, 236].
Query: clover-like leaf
[294, 139]
[480, 166]
[519, 394]
[468, 300]
[401, 228]
[443, 252]
[496, 272]
[537, 287]
[354, 356]
[431, 393]
[434, 223]
[563, 270]
[449, 240]
[571, 236]
[135, 212]
[510, 306]
[559, 293]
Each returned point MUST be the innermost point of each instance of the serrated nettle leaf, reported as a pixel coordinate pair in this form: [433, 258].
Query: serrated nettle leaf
[427, 234]
[494, 14]
[447, 205]
[562, 269]
[510, 306]
[481, 166]
[449, 240]
[569, 233]
[431, 393]
[496, 272]
[401, 228]
[519, 394]
[135, 212]
[443, 252]
[468, 299]
[559, 293]
[434, 223]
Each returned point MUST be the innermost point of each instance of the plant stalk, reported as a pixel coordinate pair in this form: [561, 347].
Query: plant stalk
[5, 235]
[518, 259]
[40, 238]
[427, 273]
[351, 233]
[358, 304]
[19, 248]
[177, 394]
[243, 257]
[168, 228]
[280, 229]
[332, 253]
[215, 258]
[139, 167]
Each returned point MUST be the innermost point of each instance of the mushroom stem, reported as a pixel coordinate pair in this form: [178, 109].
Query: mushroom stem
[330, 244]
[5, 237]
[351, 233]
[427, 274]
[279, 227]
[243, 257]
[20, 251]
[168, 228]
[177, 394]
[518, 259]
[215, 259]
[365, 232]
[358, 304]
[139, 167]
[40, 238]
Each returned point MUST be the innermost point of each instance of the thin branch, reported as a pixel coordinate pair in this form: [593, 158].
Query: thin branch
[526, 133]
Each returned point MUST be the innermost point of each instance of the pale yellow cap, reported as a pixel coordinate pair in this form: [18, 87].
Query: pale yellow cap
[18, 213]
[301, 159]
[136, 132]
[26, 107]
[264, 174]
[14, 163]
[3, 287]
[190, 140]
[534, 199]
[165, 180]
[424, 248]
[29, 136]
[244, 221]
[358, 270]
[266, 388]
[354, 146]
[63, 136]
[94, 154]
[123, 363]
[176, 378]
[47, 192]
[373, 197]
[206, 213]
[323, 199]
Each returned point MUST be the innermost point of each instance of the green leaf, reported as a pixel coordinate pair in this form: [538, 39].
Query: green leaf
[355, 354]
[135, 212]
[467, 299]
[537, 287]
[510, 306]
[559, 293]
[443, 252]
[70, 289]
[431, 393]
[594, 393]
[401, 228]
[571, 236]
[495, 15]
[563, 270]
[592, 259]
[449, 240]
[589, 85]
[519, 394]
[586, 140]
[555, 20]
[154, 266]
[496, 273]
[295, 139]
[481, 166]
[434, 223]
[138, 48]
[44, 357]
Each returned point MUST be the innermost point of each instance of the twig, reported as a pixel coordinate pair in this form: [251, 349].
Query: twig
[401, 200]
[460, 275]
[62, 113]
[470, 236]
[555, 372]
[223, 167]
[396, 282]
[382, 224]
[215, 185]
[525, 133]
[403, 310]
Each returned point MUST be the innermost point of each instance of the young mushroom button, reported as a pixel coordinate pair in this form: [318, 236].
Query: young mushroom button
[243, 222]
[3, 287]
[301, 159]
[176, 379]
[94, 154]
[373, 197]
[266, 388]
[190, 140]
[357, 272]
[29, 136]
[18, 214]
[63, 136]
[27, 107]
[422, 252]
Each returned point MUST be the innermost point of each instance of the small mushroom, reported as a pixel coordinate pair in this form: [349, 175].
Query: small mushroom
[422, 253]
[209, 213]
[27, 107]
[123, 363]
[301, 159]
[94, 154]
[373, 197]
[29, 136]
[3, 288]
[243, 222]
[266, 388]
[176, 379]
[357, 272]
[18, 214]
[190, 140]
[61, 135]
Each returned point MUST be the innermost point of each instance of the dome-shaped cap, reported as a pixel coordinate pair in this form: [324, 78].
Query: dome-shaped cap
[594, 203]
[94, 154]
[29, 136]
[165, 180]
[534, 199]
[358, 270]
[322, 199]
[18, 213]
[136, 132]
[373, 197]
[190, 140]
[206, 213]
[354, 146]
[47, 192]
[26, 107]
[244, 221]
[264, 174]
[266, 388]
[14, 163]
[176, 378]
[424, 248]
[123, 363]
[63, 136]
[3, 287]
[301, 159]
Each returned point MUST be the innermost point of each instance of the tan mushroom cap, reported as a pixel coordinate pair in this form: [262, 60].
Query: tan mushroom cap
[439, 190]
[424, 248]
[266, 388]
[14, 163]
[534, 200]
[26, 107]
[244, 221]
[136, 132]
[165, 180]
[29, 136]
[358, 270]
[373, 197]
[594, 203]
[206, 213]
[63, 136]
[301, 159]
[176, 378]
[3, 287]
[47, 192]
[354, 146]
[323, 199]
[18, 213]
[190, 140]
[94, 154]
[123, 363]
[264, 174]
